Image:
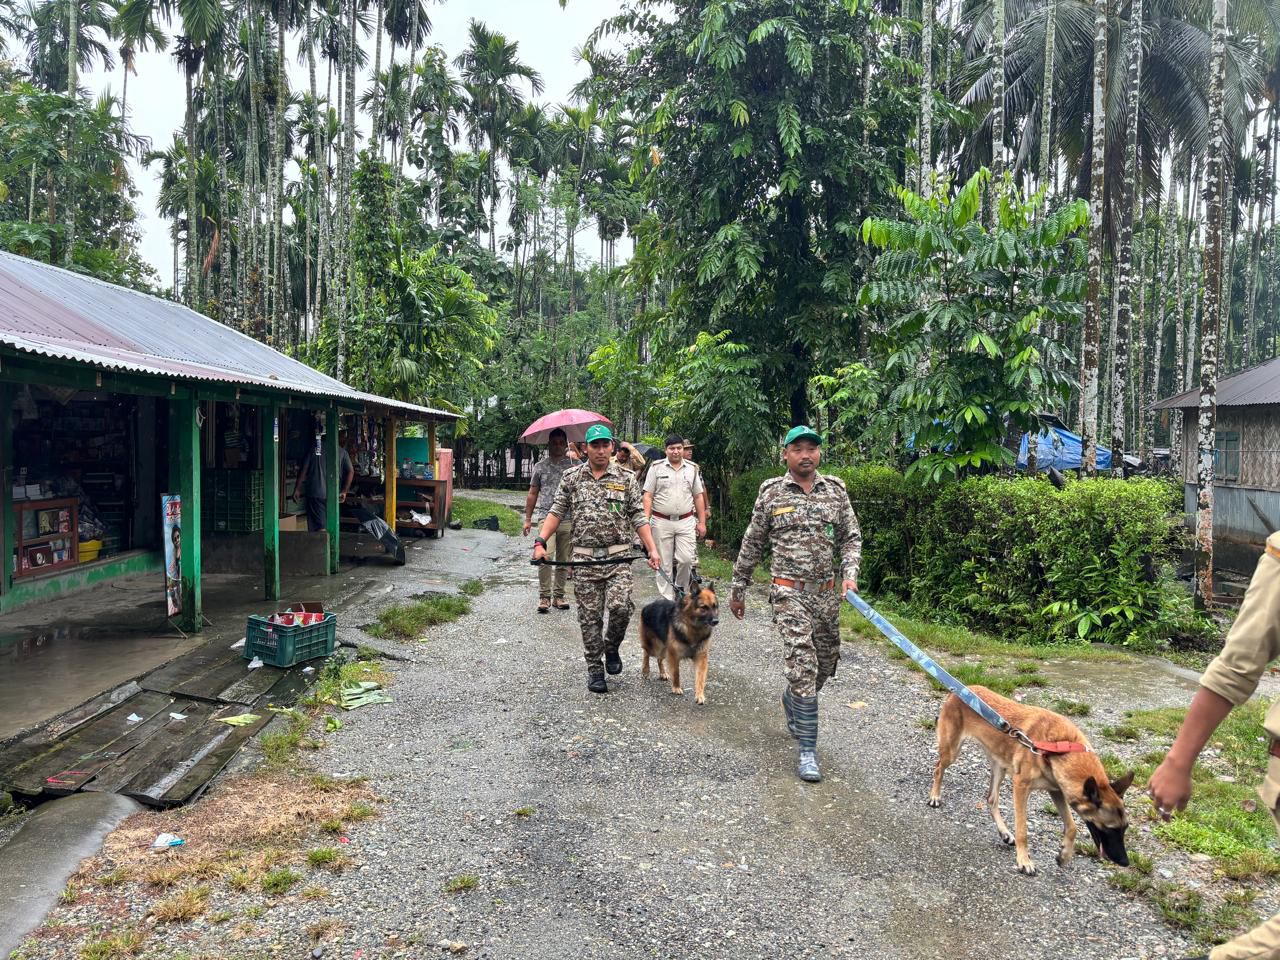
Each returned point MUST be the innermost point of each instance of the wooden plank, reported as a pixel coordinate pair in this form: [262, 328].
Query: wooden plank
[389, 472]
[288, 688]
[64, 765]
[189, 780]
[169, 743]
[211, 684]
[251, 685]
[189, 666]
[269, 427]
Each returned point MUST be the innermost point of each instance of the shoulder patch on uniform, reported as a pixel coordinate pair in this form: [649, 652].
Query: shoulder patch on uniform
[771, 482]
[836, 480]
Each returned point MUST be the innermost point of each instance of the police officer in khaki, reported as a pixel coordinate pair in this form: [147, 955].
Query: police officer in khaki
[676, 505]
[1254, 641]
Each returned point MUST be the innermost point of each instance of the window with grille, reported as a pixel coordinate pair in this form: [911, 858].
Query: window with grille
[1226, 455]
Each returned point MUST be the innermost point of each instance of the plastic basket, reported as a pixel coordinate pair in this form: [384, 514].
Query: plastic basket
[282, 646]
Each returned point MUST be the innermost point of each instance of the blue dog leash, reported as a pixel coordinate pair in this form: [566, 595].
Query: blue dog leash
[935, 670]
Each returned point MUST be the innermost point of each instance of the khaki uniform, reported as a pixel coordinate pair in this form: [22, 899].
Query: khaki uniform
[675, 525]
[545, 478]
[1254, 641]
[803, 532]
[606, 513]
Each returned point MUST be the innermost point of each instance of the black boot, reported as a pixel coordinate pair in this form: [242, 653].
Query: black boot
[595, 681]
[612, 660]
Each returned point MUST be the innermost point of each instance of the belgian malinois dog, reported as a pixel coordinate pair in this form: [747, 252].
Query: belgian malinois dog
[1074, 780]
[671, 631]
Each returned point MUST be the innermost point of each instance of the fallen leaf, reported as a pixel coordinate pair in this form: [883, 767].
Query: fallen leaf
[856, 705]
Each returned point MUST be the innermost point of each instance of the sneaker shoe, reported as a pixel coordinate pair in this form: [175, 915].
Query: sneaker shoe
[808, 767]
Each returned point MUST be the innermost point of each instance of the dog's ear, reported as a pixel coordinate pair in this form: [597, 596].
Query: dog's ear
[1123, 784]
[1092, 793]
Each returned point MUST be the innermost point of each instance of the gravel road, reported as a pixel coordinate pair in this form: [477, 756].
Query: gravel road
[653, 827]
[664, 829]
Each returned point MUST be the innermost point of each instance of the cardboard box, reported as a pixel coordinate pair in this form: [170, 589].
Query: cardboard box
[293, 522]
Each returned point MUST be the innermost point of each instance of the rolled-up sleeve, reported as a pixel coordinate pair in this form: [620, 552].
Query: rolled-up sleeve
[1254, 639]
[635, 504]
[562, 505]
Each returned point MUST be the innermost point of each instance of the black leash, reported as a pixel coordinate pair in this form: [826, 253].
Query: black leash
[621, 558]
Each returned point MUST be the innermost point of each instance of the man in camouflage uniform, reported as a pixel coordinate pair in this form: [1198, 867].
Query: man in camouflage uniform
[604, 502]
[1230, 680]
[804, 518]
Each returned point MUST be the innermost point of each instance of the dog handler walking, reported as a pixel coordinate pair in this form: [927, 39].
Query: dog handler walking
[805, 519]
[1254, 641]
[673, 495]
[604, 501]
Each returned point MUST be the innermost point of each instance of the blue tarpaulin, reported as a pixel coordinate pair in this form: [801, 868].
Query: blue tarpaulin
[1059, 448]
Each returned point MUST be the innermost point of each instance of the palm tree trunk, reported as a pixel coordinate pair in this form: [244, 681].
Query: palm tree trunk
[1180, 324]
[280, 313]
[1258, 213]
[997, 107]
[1124, 269]
[1046, 96]
[193, 231]
[347, 240]
[1093, 303]
[926, 98]
[1161, 309]
[379, 92]
[226, 296]
[73, 93]
[1211, 320]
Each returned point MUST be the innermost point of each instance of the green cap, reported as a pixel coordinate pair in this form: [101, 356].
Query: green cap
[802, 432]
[599, 432]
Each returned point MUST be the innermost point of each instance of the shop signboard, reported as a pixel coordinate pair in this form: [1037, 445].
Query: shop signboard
[171, 510]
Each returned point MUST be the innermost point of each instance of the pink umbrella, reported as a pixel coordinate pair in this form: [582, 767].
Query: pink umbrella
[573, 422]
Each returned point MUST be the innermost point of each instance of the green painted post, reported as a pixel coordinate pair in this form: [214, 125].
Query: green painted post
[6, 482]
[332, 484]
[183, 410]
[270, 429]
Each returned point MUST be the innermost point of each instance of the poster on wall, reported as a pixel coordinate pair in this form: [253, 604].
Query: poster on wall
[171, 510]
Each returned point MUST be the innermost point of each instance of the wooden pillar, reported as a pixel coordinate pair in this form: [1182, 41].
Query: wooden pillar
[7, 531]
[269, 428]
[431, 445]
[186, 432]
[332, 484]
[389, 469]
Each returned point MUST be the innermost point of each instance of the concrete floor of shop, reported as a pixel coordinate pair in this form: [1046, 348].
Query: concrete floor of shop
[57, 655]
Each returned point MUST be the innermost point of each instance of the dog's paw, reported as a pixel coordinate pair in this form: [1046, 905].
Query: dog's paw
[1064, 856]
[700, 700]
[1005, 838]
[677, 691]
[934, 802]
[1027, 869]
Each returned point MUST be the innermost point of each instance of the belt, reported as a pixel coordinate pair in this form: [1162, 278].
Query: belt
[663, 516]
[600, 553]
[1275, 748]
[805, 587]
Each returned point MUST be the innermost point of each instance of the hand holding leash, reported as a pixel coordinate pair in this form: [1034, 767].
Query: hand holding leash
[539, 552]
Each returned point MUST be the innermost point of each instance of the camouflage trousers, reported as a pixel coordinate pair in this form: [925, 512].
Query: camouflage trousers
[809, 625]
[598, 593]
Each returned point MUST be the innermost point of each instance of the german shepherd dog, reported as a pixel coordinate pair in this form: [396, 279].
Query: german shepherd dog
[1074, 781]
[671, 631]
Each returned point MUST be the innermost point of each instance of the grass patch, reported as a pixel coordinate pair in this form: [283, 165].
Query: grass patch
[332, 825]
[328, 858]
[115, 878]
[280, 881]
[222, 916]
[1129, 881]
[467, 510]
[281, 747]
[124, 944]
[323, 928]
[1180, 906]
[184, 905]
[524, 811]
[410, 621]
[366, 654]
[1123, 732]
[165, 877]
[1070, 708]
[461, 883]
[360, 811]
[255, 911]
[336, 672]
[69, 895]
[713, 565]
[314, 892]
[472, 588]
[240, 880]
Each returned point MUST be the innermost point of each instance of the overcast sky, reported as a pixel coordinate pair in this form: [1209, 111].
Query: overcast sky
[546, 34]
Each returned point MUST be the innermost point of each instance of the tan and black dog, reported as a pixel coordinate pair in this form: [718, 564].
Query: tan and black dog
[1074, 780]
[671, 631]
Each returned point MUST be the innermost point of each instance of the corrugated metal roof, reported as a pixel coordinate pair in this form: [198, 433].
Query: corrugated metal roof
[1257, 386]
[56, 313]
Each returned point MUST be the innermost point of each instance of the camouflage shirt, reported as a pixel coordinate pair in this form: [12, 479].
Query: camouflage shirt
[604, 511]
[802, 531]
